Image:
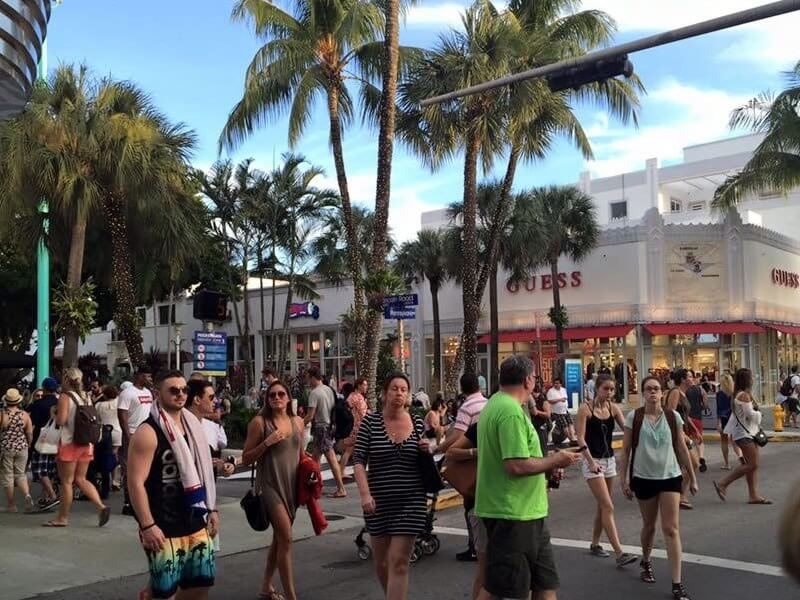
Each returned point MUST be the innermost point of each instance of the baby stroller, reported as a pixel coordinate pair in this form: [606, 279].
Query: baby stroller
[426, 544]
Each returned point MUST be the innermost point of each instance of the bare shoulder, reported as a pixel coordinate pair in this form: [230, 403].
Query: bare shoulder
[144, 438]
[298, 421]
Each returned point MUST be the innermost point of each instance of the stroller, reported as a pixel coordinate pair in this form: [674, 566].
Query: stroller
[426, 544]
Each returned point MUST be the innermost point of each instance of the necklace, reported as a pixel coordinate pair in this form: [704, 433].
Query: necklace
[396, 433]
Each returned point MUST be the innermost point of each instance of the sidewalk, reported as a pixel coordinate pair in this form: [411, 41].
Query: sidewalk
[37, 560]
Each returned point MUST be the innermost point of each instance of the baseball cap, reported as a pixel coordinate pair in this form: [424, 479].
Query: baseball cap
[50, 384]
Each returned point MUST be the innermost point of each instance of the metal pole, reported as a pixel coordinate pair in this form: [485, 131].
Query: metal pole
[743, 17]
[42, 273]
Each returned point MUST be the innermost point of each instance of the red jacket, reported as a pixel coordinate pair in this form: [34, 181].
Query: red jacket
[309, 491]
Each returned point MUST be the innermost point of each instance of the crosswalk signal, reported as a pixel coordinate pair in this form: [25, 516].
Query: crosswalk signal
[210, 306]
[600, 70]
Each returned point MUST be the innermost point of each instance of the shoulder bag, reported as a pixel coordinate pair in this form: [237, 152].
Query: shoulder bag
[431, 478]
[251, 502]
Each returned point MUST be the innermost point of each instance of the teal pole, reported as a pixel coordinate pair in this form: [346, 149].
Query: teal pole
[43, 275]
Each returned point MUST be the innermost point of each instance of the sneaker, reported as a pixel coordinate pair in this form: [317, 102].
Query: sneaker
[625, 559]
[598, 551]
[28, 504]
[48, 504]
[679, 592]
[703, 465]
[467, 556]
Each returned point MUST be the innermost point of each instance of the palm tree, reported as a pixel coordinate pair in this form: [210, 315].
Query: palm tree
[522, 120]
[47, 153]
[566, 224]
[775, 164]
[426, 258]
[140, 159]
[311, 52]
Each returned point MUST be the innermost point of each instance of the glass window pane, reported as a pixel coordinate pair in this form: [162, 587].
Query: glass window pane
[300, 346]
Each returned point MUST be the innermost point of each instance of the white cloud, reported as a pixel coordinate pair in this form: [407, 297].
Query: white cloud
[767, 43]
[409, 200]
[436, 15]
[689, 115]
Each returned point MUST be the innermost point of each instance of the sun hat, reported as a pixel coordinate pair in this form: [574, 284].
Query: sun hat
[12, 396]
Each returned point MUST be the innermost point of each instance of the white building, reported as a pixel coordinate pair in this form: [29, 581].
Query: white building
[671, 283]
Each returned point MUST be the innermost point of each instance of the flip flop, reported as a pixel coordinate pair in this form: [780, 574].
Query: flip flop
[720, 493]
[103, 516]
[338, 495]
[760, 501]
[686, 505]
[54, 524]
[725, 468]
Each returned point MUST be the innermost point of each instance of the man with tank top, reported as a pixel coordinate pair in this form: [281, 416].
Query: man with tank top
[171, 484]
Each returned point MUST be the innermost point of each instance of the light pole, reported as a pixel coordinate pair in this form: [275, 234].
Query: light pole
[43, 273]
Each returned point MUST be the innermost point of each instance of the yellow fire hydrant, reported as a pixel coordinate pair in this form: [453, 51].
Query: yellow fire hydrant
[778, 413]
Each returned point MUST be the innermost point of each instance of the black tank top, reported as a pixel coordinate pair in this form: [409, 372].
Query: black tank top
[599, 434]
[165, 492]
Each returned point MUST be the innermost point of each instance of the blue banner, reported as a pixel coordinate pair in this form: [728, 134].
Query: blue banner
[573, 381]
[210, 353]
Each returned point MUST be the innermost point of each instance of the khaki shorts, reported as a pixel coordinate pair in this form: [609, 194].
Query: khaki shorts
[12, 466]
[478, 532]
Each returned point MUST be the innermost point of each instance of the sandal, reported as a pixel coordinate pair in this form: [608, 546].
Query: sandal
[760, 501]
[647, 575]
[720, 493]
[54, 524]
[103, 516]
[337, 495]
[686, 505]
[679, 592]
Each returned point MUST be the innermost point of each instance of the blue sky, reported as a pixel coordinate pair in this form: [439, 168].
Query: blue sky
[191, 58]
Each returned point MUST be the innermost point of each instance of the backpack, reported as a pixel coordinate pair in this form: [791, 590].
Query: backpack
[638, 420]
[342, 419]
[786, 387]
[88, 428]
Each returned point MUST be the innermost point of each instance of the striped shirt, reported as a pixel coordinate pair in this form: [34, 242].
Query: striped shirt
[469, 411]
[394, 478]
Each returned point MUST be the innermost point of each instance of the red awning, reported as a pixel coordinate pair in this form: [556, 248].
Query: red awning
[697, 328]
[791, 329]
[571, 333]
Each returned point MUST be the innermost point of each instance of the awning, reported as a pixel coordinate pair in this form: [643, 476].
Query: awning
[571, 333]
[698, 328]
[790, 329]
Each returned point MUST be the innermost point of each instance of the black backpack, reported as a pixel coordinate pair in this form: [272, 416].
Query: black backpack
[342, 419]
[786, 387]
[88, 428]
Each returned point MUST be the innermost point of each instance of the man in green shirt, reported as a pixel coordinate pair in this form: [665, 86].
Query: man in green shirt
[511, 494]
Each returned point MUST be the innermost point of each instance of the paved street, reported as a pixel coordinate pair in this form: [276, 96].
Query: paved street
[719, 559]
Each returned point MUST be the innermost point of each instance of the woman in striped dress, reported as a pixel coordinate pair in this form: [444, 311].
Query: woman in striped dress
[392, 493]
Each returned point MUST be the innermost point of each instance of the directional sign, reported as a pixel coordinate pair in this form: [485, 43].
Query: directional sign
[399, 313]
[401, 300]
[211, 353]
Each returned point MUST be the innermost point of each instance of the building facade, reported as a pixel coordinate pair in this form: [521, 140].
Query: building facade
[23, 27]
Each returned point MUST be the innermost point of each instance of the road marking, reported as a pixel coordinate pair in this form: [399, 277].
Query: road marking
[697, 559]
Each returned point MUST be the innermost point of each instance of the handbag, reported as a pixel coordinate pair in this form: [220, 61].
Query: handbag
[252, 506]
[431, 478]
[49, 438]
[462, 475]
[759, 437]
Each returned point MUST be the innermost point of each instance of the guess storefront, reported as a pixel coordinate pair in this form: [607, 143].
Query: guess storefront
[652, 297]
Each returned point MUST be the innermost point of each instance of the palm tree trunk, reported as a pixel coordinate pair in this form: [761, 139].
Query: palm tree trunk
[273, 348]
[285, 331]
[233, 290]
[494, 328]
[170, 325]
[351, 235]
[388, 113]
[74, 271]
[122, 273]
[500, 216]
[155, 325]
[261, 294]
[248, 354]
[469, 250]
[557, 306]
[437, 339]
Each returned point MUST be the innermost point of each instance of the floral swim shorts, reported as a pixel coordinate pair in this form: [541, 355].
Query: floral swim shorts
[184, 562]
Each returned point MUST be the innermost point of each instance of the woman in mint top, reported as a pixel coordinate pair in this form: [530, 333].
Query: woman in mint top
[653, 451]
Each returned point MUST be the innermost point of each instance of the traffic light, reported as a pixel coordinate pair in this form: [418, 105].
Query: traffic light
[600, 70]
[210, 306]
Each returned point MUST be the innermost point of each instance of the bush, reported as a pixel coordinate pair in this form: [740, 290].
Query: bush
[236, 424]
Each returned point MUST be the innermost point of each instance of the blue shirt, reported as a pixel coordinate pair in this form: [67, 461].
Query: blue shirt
[723, 405]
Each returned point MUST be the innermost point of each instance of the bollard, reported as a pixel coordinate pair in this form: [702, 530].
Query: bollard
[778, 413]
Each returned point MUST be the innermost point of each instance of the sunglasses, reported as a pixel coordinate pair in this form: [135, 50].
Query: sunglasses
[277, 394]
[652, 388]
[177, 391]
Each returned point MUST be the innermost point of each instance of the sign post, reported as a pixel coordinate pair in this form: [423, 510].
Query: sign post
[211, 353]
[401, 307]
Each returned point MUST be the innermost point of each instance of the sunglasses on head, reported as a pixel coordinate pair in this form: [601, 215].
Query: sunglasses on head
[278, 394]
[177, 391]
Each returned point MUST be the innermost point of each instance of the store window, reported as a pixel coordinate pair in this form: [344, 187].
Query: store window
[675, 205]
[697, 206]
[300, 346]
[164, 314]
[141, 316]
[619, 210]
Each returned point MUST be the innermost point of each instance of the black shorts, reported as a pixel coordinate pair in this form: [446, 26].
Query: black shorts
[644, 489]
[793, 405]
[519, 558]
[723, 421]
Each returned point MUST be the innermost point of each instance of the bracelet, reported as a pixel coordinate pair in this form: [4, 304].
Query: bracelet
[143, 529]
[213, 510]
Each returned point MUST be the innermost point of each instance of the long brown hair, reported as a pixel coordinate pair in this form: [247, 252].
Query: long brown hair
[266, 411]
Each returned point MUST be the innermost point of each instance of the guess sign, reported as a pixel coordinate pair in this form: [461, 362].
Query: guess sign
[545, 282]
[785, 278]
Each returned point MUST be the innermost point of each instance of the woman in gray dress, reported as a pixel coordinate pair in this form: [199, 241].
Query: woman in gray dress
[275, 443]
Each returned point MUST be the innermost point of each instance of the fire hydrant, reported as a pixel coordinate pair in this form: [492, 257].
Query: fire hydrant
[778, 414]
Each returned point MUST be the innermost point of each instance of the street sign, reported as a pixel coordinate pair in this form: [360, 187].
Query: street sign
[401, 300]
[211, 353]
[573, 381]
[399, 313]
